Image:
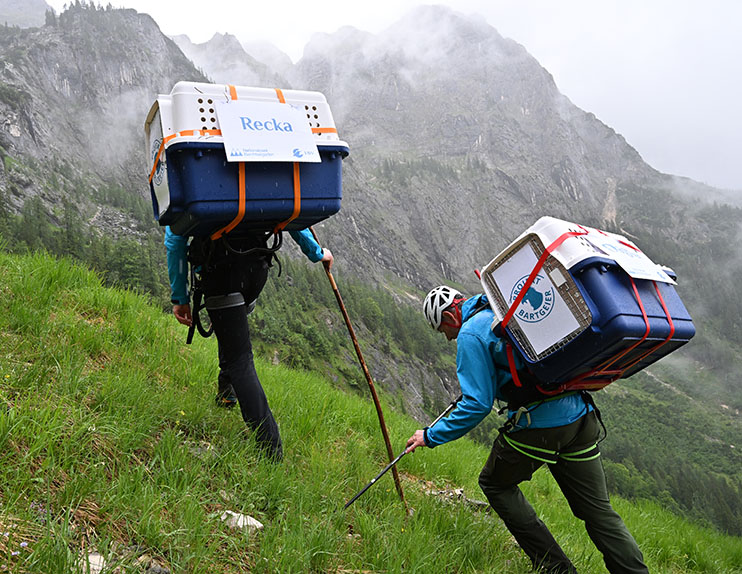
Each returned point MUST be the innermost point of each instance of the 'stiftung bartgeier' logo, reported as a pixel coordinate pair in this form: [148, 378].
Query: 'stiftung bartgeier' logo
[537, 303]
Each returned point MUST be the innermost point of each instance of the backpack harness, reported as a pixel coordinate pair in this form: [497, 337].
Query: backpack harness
[206, 254]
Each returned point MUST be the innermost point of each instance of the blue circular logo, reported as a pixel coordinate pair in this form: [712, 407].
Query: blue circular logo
[537, 303]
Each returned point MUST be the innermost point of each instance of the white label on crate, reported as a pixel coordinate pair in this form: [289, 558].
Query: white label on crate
[630, 259]
[542, 314]
[265, 131]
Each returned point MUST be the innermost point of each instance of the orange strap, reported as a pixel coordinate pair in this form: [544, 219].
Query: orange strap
[157, 160]
[297, 183]
[242, 199]
[184, 133]
[297, 201]
[241, 203]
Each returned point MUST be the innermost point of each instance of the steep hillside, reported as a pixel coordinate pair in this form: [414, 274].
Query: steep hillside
[112, 453]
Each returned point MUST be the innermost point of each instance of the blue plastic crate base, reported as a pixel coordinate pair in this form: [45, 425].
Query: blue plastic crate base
[204, 190]
[583, 315]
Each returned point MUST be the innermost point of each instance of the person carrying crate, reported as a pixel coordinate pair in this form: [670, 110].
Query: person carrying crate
[230, 276]
[560, 431]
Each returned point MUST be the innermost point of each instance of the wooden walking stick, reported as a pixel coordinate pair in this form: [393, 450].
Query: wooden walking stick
[379, 412]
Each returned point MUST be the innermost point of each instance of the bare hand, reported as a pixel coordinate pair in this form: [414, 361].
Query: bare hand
[327, 258]
[416, 440]
[183, 314]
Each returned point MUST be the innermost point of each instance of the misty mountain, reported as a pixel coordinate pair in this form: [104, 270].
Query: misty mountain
[23, 13]
[73, 96]
[227, 61]
[473, 130]
[269, 55]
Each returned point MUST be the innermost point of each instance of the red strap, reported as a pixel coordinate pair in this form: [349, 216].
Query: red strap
[539, 265]
[511, 364]
[661, 343]
[600, 376]
[640, 341]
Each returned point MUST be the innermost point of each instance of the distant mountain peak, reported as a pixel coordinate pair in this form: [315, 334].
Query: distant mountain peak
[23, 13]
[225, 61]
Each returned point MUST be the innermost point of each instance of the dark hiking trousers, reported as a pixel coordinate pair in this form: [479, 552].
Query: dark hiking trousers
[583, 484]
[228, 289]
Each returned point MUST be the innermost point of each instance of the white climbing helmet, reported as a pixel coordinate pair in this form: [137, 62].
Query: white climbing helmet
[437, 301]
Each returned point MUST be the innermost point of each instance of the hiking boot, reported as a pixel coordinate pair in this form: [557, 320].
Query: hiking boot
[226, 398]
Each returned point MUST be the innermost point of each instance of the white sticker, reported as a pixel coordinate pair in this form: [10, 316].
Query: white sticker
[265, 131]
[557, 277]
[629, 258]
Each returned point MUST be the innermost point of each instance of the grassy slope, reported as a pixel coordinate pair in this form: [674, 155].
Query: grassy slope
[109, 440]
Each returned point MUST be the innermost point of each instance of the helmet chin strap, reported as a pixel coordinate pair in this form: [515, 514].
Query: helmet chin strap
[457, 314]
[455, 310]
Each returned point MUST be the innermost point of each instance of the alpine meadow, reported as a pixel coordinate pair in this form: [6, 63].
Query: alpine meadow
[114, 457]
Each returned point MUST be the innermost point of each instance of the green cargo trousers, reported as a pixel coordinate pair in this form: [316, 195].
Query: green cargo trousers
[582, 482]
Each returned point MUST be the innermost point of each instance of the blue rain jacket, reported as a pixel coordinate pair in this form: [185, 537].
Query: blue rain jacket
[177, 261]
[479, 351]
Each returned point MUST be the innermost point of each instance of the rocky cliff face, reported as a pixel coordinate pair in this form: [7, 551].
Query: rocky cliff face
[73, 98]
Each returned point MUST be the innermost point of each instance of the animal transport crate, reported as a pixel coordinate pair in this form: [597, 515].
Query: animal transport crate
[196, 188]
[578, 302]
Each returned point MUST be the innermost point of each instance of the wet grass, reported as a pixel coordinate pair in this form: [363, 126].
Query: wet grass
[110, 443]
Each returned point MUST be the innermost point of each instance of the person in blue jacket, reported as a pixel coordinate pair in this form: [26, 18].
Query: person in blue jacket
[560, 431]
[232, 275]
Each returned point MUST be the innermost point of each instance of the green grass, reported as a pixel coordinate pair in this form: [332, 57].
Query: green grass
[109, 440]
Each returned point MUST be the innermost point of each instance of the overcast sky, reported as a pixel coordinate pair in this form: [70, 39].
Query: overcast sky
[665, 74]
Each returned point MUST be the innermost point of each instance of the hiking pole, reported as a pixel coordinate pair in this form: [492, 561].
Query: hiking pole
[379, 412]
[449, 408]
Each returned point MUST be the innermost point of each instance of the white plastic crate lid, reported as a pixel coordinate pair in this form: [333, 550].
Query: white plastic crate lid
[188, 112]
[586, 243]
